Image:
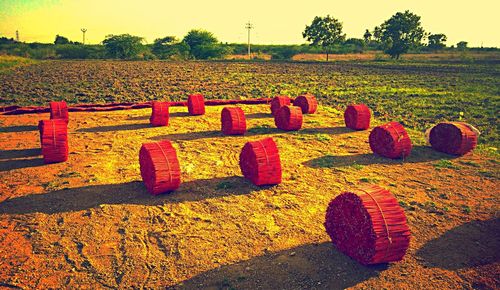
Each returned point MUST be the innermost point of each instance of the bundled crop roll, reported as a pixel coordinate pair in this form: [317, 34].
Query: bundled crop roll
[288, 118]
[54, 140]
[159, 114]
[278, 102]
[233, 121]
[455, 138]
[307, 103]
[160, 169]
[59, 110]
[260, 162]
[357, 117]
[196, 104]
[368, 225]
[390, 140]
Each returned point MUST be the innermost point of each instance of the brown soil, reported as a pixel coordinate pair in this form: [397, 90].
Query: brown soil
[90, 223]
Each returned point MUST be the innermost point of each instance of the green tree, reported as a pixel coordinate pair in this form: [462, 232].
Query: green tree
[204, 45]
[367, 36]
[124, 46]
[169, 47]
[462, 45]
[401, 32]
[325, 32]
[61, 40]
[436, 41]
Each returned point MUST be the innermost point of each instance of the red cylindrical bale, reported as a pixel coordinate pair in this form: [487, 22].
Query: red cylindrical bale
[260, 162]
[196, 104]
[357, 117]
[368, 225]
[278, 102]
[307, 103]
[288, 118]
[233, 121]
[54, 140]
[160, 169]
[455, 138]
[59, 110]
[159, 114]
[390, 140]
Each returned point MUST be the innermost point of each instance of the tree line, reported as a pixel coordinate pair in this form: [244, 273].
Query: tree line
[400, 34]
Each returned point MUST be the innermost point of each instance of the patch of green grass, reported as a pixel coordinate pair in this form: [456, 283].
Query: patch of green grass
[9, 61]
[323, 137]
[224, 185]
[469, 163]
[443, 163]
[466, 209]
[357, 166]
[487, 173]
[260, 129]
[369, 180]
[69, 174]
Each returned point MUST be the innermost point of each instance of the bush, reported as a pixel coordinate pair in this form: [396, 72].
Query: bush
[124, 46]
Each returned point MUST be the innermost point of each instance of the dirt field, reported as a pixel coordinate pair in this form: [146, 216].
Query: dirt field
[89, 222]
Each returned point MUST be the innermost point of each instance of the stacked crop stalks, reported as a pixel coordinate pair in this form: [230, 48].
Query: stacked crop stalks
[260, 162]
[390, 140]
[196, 104]
[357, 117]
[54, 140]
[288, 118]
[233, 121]
[307, 103]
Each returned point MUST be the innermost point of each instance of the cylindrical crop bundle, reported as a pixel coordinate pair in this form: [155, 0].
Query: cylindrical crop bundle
[288, 118]
[54, 140]
[160, 169]
[278, 102]
[159, 114]
[307, 103]
[357, 117]
[455, 138]
[196, 104]
[59, 110]
[390, 140]
[368, 225]
[260, 162]
[233, 121]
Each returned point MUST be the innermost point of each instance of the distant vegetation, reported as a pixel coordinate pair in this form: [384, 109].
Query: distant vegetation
[402, 33]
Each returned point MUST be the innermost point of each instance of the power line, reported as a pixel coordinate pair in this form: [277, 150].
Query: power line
[249, 26]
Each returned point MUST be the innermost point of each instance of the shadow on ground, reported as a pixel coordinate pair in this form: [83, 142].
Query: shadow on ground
[11, 164]
[309, 266]
[258, 116]
[471, 244]
[14, 129]
[20, 153]
[76, 199]
[418, 154]
[123, 127]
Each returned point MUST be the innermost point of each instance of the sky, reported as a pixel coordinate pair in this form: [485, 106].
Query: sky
[274, 21]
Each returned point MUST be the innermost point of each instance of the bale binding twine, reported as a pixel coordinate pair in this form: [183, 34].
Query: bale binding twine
[54, 140]
[278, 102]
[160, 169]
[260, 162]
[307, 103]
[456, 138]
[288, 118]
[390, 140]
[357, 117]
[233, 121]
[196, 104]
[368, 225]
[159, 114]
[59, 110]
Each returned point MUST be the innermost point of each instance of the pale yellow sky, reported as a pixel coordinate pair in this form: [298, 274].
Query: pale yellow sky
[276, 22]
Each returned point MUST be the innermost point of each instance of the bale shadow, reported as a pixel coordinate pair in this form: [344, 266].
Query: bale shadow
[179, 114]
[81, 198]
[14, 129]
[259, 116]
[9, 164]
[471, 244]
[189, 136]
[311, 266]
[123, 127]
[138, 118]
[418, 154]
[20, 153]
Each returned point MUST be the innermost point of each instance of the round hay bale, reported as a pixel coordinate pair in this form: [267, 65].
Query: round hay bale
[59, 110]
[455, 138]
[260, 162]
[357, 117]
[233, 121]
[368, 225]
[278, 102]
[196, 104]
[159, 114]
[160, 169]
[288, 118]
[390, 140]
[307, 103]
[54, 140]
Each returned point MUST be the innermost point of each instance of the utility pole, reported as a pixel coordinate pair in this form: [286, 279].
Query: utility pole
[249, 26]
[84, 30]
[17, 35]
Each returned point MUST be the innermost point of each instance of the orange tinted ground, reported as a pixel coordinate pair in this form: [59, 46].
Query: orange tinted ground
[90, 223]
